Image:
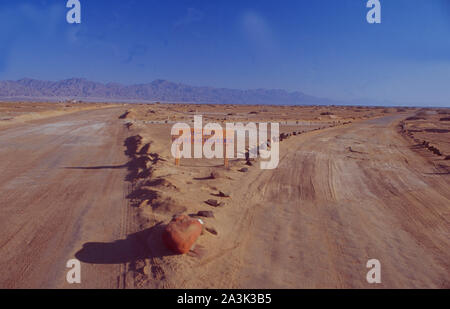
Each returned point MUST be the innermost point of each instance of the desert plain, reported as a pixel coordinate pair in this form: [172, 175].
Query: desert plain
[97, 182]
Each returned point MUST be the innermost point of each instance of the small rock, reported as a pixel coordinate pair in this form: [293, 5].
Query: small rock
[147, 270]
[205, 213]
[211, 230]
[283, 136]
[197, 252]
[243, 170]
[214, 175]
[222, 194]
[214, 203]
[124, 115]
[144, 203]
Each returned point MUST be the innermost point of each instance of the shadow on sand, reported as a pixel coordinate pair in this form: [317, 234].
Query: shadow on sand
[102, 167]
[141, 245]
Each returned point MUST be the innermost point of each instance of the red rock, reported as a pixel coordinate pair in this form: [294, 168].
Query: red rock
[181, 233]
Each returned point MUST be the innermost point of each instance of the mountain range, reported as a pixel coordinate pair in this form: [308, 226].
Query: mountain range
[156, 91]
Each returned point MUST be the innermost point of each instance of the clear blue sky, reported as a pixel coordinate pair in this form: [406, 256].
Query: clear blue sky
[321, 47]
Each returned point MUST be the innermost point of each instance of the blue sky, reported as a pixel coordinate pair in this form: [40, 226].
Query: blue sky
[321, 47]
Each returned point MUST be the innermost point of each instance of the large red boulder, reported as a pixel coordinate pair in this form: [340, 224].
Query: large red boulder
[181, 233]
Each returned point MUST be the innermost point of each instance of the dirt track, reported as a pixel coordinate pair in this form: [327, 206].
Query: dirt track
[316, 220]
[62, 184]
[338, 208]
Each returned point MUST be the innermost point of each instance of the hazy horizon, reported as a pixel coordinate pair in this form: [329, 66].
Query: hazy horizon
[354, 102]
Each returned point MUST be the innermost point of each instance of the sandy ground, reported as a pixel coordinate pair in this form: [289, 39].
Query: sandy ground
[429, 131]
[316, 220]
[62, 185]
[340, 197]
[13, 113]
[80, 185]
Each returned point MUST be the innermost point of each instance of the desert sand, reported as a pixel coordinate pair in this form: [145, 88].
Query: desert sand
[99, 184]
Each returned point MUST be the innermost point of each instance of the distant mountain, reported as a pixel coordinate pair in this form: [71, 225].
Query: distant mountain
[158, 90]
